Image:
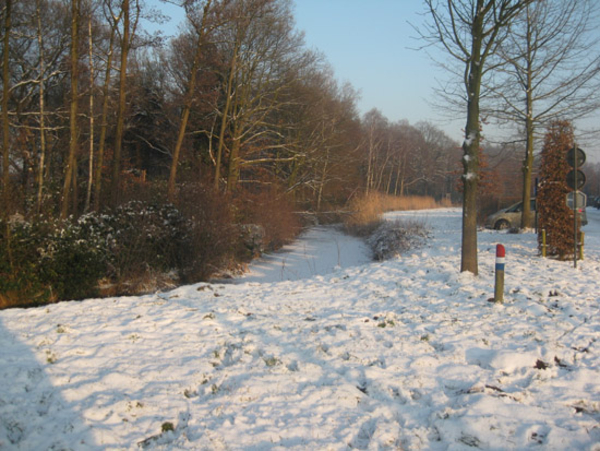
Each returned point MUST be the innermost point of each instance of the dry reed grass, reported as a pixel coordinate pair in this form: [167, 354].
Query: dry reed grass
[369, 208]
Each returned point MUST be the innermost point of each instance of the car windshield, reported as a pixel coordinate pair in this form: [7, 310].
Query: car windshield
[518, 207]
[515, 208]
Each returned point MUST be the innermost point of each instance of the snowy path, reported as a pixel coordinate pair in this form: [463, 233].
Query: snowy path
[318, 251]
[405, 354]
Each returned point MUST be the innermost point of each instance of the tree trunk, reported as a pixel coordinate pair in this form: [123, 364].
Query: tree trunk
[187, 103]
[103, 125]
[42, 106]
[74, 131]
[224, 119]
[5, 118]
[322, 181]
[233, 173]
[471, 149]
[88, 196]
[526, 217]
[529, 130]
[116, 164]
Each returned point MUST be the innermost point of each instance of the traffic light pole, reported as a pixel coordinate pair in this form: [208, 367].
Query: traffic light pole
[575, 159]
[576, 167]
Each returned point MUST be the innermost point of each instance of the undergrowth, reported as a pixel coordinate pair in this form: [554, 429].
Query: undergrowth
[139, 247]
[393, 238]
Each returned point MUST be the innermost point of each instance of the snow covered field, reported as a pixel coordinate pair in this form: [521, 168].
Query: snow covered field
[405, 354]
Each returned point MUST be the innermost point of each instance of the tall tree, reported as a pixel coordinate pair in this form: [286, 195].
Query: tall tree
[88, 196]
[126, 35]
[70, 168]
[265, 55]
[42, 107]
[470, 32]
[5, 101]
[322, 130]
[553, 68]
[201, 30]
[374, 130]
[113, 21]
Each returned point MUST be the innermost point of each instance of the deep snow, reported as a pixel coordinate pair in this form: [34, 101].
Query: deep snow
[405, 354]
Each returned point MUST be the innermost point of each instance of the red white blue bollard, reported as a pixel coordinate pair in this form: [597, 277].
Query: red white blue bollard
[499, 286]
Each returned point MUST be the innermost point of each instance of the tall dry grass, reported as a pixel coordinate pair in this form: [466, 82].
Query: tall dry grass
[369, 208]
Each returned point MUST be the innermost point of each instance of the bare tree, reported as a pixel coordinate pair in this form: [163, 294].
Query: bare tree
[265, 55]
[443, 154]
[375, 126]
[130, 11]
[70, 169]
[113, 21]
[470, 32]
[201, 30]
[322, 131]
[552, 71]
[88, 196]
[5, 98]
[42, 106]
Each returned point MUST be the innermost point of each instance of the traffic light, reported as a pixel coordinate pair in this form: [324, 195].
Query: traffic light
[575, 178]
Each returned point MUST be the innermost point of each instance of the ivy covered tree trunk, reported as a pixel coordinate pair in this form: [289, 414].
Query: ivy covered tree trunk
[554, 215]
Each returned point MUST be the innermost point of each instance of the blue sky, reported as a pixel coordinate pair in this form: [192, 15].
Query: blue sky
[372, 45]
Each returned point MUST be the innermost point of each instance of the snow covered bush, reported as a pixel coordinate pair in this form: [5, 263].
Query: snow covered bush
[147, 236]
[44, 261]
[392, 238]
[73, 260]
[20, 282]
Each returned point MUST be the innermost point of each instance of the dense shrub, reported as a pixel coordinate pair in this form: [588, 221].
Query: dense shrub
[145, 236]
[127, 250]
[272, 211]
[215, 238]
[20, 281]
[45, 261]
[73, 261]
[392, 238]
[553, 214]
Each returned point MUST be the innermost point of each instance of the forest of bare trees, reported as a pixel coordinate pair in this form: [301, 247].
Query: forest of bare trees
[96, 108]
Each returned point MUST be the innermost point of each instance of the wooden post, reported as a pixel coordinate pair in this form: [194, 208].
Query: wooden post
[499, 286]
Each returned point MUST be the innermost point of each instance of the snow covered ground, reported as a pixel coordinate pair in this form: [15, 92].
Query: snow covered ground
[318, 251]
[405, 354]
